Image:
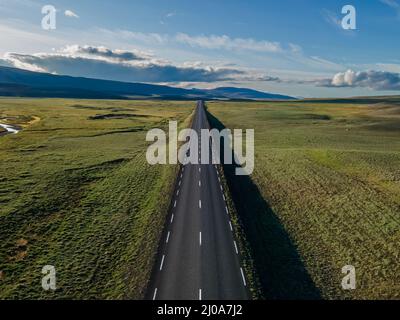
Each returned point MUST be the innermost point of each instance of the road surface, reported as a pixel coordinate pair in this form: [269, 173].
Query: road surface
[198, 258]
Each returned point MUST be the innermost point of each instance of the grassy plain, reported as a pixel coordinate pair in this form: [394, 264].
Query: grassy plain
[76, 192]
[325, 193]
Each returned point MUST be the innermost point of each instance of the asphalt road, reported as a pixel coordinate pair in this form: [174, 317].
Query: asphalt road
[198, 258]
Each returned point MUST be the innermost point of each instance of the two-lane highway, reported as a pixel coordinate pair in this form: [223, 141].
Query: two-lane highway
[198, 257]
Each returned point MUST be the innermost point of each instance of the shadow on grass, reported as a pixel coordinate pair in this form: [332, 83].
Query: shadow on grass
[279, 266]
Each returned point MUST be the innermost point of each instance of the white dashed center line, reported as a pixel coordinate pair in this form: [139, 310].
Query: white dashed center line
[172, 218]
[199, 294]
[177, 193]
[175, 204]
[226, 209]
[236, 248]
[244, 280]
[169, 232]
[230, 225]
[200, 204]
[200, 238]
[199, 183]
[162, 262]
[155, 294]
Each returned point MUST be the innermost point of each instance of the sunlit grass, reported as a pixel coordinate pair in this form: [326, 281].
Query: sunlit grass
[78, 194]
[331, 173]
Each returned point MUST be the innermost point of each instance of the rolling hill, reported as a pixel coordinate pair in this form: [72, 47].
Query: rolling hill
[22, 83]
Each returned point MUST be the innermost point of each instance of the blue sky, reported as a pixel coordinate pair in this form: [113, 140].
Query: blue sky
[295, 47]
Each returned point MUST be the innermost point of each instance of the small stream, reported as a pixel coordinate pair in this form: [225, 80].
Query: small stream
[9, 128]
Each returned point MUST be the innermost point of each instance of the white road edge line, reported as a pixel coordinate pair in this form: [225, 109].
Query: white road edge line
[169, 232]
[226, 209]
[230, 225]
[177, 193]
[175, 204]
[244, 280]
[162, 262]
[172, 218]
[155, 294]
[236, 248]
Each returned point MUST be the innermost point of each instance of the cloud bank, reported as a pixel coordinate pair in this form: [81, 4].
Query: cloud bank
[377, 80]
[122, 65]
[117, 55]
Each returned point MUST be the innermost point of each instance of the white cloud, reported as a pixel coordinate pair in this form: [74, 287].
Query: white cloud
[147, 38]
[377, 80]
[70, 14]
[102, 52]
[344, 79]
[222, 42]
[227, 43]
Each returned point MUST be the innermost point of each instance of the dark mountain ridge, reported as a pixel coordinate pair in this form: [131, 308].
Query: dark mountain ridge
[22, 83]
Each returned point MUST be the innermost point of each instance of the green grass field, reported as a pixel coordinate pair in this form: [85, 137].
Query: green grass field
[76, 192]
[325, 193]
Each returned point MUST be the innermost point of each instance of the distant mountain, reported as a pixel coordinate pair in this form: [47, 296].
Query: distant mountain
[45, 84]
[23, 83]
[20, 90]
[244, 93]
